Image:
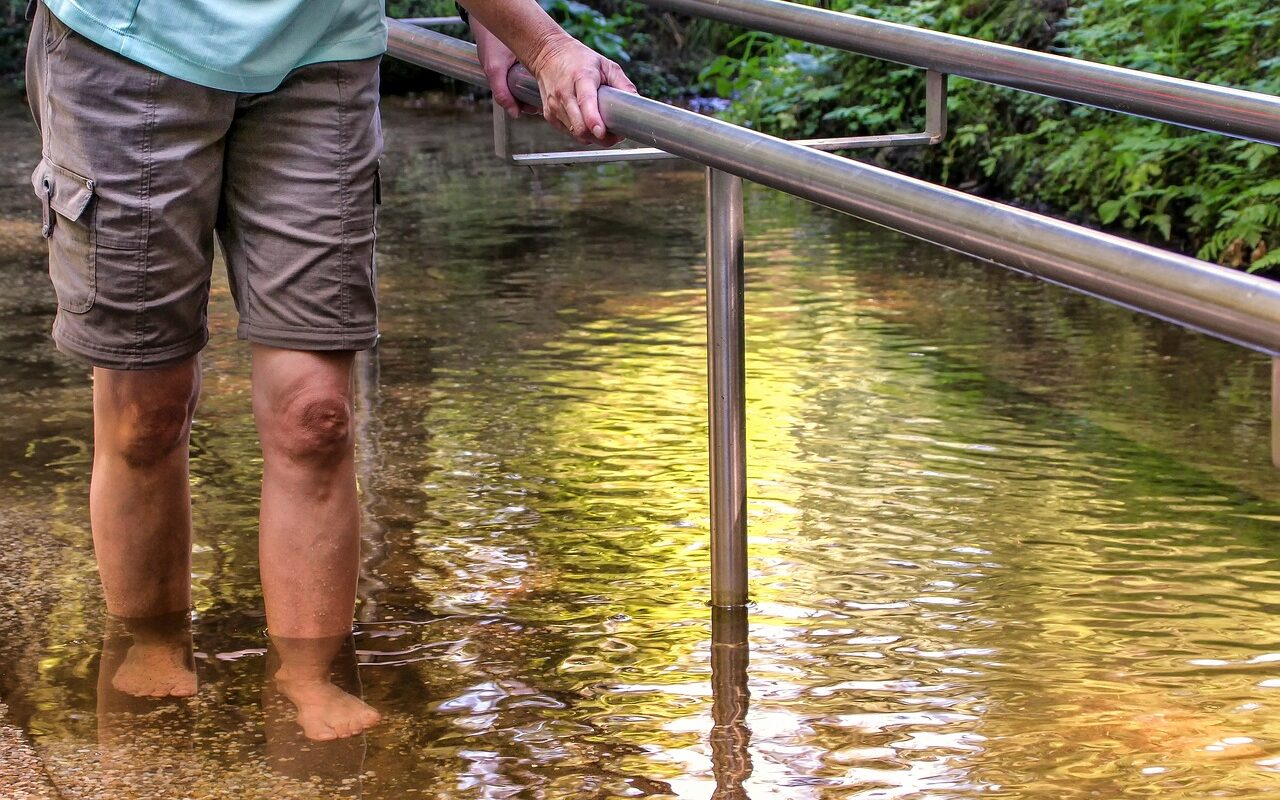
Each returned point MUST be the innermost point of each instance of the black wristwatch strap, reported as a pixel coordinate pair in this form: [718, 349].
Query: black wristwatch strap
[462, 12]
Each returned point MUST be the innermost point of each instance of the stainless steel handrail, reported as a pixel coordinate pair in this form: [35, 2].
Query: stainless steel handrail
[1219, 109]
[1241, 308]
[1232, 305]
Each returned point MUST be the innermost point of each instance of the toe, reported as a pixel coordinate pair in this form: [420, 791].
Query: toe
[324, 734]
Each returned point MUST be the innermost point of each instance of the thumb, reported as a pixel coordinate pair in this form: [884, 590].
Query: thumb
[502, 94]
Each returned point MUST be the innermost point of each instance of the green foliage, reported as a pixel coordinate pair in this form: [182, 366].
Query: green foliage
[593, 28]
[665, 50]
[13, 41]
[1208, 194]
[420, 8]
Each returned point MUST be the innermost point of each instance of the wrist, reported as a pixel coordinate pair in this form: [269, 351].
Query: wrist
[544, 48]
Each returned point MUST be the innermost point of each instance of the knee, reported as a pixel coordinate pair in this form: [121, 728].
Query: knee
[153, 430]
[314, 426]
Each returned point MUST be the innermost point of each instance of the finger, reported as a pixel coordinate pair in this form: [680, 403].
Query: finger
[553, 119]
[571, 114]
[586, 89]
[615, 77]
[553, 114]
[502, 93]
[525, 108]
[548, 112]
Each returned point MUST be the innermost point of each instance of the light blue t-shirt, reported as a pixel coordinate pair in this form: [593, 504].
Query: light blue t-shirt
[236, 45]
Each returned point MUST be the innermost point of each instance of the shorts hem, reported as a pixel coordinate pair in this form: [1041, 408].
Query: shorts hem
[131, 358]
[310, 339]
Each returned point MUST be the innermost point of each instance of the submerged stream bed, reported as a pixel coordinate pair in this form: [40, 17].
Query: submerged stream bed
[1006, 541]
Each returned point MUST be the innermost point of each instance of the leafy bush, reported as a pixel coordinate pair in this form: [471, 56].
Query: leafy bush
[13, 41]
[593, 28]
[1205, 193]
[420, 8]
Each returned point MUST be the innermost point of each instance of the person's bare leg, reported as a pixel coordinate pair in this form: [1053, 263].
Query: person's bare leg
[140, 512]
[309, 541]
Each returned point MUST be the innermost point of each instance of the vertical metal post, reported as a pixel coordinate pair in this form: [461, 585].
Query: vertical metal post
[726, 377]
[501, 133]
[935, 105]
[730, 736]
[1275, 412]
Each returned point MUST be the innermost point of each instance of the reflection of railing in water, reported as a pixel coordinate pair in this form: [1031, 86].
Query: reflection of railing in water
[1231, 305]
[373, 547]
[730, 736]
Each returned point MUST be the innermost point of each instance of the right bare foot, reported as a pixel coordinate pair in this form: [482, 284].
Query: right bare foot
[325, 712]
[156, 669]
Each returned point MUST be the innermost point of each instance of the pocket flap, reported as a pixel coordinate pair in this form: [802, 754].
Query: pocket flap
[69, 194]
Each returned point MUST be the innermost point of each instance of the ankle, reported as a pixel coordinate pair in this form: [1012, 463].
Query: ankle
[170, 627]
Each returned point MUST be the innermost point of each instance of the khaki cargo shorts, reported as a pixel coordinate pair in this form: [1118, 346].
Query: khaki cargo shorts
[140, 171]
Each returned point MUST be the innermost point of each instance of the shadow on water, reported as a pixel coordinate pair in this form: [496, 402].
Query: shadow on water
[1006, 542]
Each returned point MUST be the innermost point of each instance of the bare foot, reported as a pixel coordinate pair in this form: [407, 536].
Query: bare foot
[156, 669]
[325, 712]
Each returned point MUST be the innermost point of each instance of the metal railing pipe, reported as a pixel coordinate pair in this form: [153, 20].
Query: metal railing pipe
[1220, 109]
[1232, 305]
[726, 390]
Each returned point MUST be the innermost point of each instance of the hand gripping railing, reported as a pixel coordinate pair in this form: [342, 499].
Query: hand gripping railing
[935, 130]
[1240, 308]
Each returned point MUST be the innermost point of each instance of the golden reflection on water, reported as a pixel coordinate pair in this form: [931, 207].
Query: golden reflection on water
[975, 572]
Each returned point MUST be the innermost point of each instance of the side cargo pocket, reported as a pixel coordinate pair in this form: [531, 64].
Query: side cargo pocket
[66, 221]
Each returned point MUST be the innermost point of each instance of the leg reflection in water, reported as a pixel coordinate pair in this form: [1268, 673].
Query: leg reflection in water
[730, 736]
[145, 726]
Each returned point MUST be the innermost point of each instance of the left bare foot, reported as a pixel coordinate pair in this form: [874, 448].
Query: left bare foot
[156, 669]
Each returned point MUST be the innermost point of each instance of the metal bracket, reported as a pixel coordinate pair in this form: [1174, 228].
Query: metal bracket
[598, 155]
[935, 130]
[432, 22]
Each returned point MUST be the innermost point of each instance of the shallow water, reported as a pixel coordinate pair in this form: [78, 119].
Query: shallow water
[1006, 541]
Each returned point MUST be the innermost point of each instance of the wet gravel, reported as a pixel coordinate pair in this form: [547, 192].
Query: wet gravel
[24, 595]
[22, 775]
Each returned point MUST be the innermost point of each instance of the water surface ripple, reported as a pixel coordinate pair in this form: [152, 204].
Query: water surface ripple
[1005, 542]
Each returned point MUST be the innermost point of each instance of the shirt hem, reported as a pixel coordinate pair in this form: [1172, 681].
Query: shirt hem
[162, 60]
